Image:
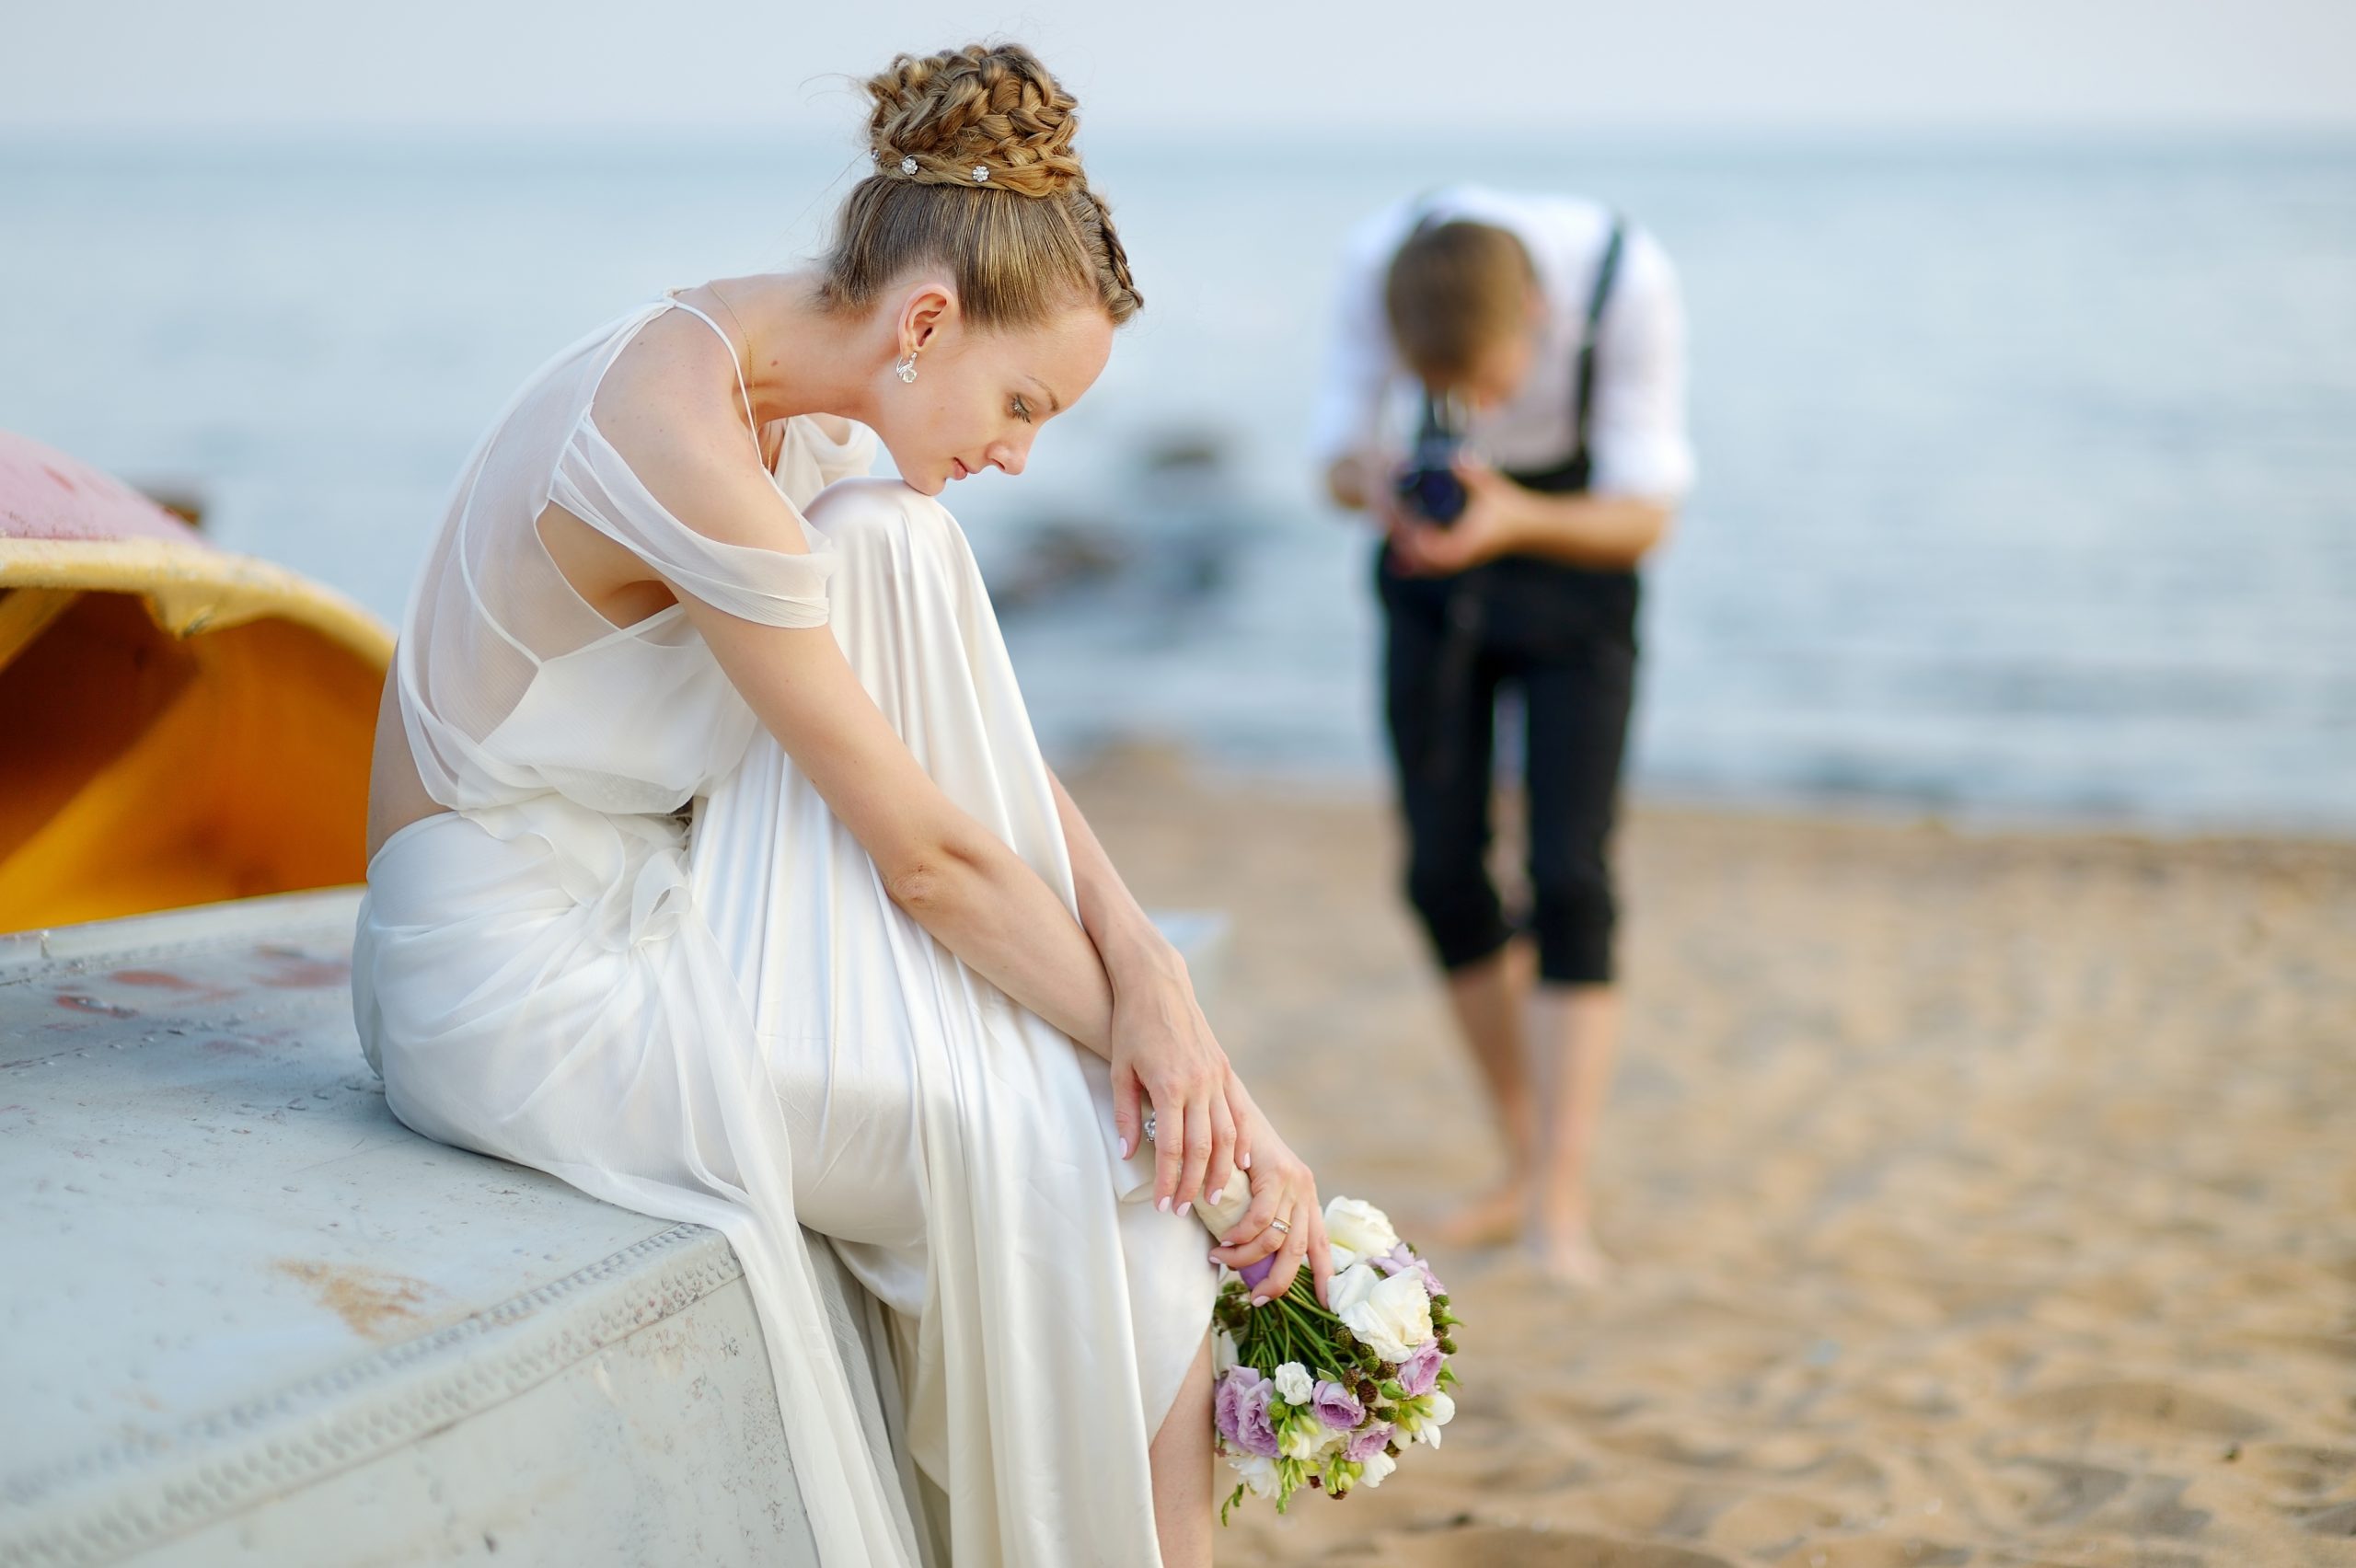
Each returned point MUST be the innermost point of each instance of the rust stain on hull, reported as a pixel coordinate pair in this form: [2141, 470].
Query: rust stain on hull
[165, 980]
[293, 969]
[370, 1301]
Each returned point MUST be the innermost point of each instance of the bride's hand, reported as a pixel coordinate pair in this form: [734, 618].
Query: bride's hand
[1282, 1189]
[1162, 1049]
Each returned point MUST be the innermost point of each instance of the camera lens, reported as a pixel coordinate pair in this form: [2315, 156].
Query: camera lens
[1440, 494]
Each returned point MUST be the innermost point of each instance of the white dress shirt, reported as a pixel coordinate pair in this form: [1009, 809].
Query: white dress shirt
[1636, 432]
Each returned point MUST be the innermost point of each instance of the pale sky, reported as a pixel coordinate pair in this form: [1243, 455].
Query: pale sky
[1643, 65]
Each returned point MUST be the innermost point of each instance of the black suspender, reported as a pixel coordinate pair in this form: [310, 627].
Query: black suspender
[1583, 388]
[1573, 472]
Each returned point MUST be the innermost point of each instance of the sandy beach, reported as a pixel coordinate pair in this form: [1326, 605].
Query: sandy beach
[1981, 1197]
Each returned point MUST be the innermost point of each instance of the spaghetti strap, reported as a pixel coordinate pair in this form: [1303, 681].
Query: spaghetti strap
[671, 296]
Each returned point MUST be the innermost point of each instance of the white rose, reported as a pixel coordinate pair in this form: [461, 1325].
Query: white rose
[1378, 1465]
[1222, 1353]
[1259, 1473]
[1342, 1256]
[1349, 1286]
[1294, 1384]
[1359, 1226]
[1394, 1315]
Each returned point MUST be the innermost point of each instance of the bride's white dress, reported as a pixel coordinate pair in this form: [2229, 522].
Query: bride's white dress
[733, 1024]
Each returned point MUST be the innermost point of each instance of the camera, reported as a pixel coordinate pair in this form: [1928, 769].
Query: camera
[1428, 485]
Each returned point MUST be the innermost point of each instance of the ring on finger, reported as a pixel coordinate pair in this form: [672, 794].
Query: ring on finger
[1280, 1228]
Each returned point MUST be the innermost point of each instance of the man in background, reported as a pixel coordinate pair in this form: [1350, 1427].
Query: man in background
[1542, 340]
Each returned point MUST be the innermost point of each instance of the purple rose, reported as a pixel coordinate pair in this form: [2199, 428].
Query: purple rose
[1366, 1443]
[1419, 1373]
[1227, 1400]
[1241, 1412]
[1399, 1258]
[1336, 1405]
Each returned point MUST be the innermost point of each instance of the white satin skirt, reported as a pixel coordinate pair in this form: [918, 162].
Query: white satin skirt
[733, 1024]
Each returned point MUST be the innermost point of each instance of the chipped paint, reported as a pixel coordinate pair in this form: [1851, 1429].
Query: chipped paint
[74, 1001]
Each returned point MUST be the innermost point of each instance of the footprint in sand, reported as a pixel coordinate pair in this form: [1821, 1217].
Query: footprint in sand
[1671, 1448]
[1536, 1471]
[1513, 1546]
[1770, 1524]
[1651, 1506]
[1875, 1552]
[2302, 1468]
[1845, 1471]
[2060, 1492]
[2161, 1405]
[2339, 1519]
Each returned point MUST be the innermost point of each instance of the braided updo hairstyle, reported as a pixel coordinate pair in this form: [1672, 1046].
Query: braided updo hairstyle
[974, 171]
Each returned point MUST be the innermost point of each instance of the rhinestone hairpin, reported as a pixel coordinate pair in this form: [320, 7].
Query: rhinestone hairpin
[981, 174]
[909, 165]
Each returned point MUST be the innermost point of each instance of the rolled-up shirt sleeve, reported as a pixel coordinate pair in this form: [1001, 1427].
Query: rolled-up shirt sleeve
[1637, 435]
[1360, 365]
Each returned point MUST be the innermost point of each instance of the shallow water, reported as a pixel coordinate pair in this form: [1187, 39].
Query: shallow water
[2028, 480]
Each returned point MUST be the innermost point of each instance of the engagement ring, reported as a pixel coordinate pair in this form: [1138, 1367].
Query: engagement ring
[1279, 1225]
[1149, 1126]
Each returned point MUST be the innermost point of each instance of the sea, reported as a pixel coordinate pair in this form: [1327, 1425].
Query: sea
[2027, 465]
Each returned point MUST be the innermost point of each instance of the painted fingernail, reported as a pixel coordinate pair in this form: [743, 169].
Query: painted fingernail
[1124, 1148]
[1162, 1204]
[1217, 1194]
[1245, 1162]
[1186, 1208]
[1259, 1301]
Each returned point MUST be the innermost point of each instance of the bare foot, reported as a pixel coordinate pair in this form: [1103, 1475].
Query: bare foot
[1570, 1257]
[1490, 1220]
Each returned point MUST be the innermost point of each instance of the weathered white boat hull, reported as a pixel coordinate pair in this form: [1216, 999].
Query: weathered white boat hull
[245, 1317]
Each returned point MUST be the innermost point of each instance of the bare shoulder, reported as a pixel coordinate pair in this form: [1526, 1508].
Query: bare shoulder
[670, 407]
[670, 394]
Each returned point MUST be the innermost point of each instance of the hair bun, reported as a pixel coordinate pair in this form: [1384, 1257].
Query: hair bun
[988, 107]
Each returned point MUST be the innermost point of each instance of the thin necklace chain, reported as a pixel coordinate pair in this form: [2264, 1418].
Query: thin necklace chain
[714, 289]
[740, 326]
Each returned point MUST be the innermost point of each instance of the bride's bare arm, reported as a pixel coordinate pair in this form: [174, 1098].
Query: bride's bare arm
[1153, 994]
[1154, 1010]
[954, 877]
[966, 886]
[959, 880]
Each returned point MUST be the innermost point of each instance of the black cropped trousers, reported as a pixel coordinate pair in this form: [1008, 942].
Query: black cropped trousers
[1565, 637]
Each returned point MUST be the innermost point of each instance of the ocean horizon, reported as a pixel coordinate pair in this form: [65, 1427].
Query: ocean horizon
[2027, 465]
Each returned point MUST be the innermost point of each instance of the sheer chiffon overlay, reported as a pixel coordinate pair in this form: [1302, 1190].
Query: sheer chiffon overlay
[733, 1024]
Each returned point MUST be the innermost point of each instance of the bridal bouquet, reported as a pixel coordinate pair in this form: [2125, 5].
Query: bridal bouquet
[1326, 1399]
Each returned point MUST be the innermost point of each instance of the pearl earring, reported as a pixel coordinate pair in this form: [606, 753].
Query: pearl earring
[908, 368]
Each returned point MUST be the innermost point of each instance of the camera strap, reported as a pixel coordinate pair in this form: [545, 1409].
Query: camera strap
[1467, 610]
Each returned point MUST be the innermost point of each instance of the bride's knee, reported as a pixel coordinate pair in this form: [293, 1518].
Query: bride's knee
[883, 519]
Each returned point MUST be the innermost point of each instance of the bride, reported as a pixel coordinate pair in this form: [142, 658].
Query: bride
[715, 869]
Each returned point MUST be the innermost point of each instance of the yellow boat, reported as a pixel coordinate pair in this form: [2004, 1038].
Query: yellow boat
[179, 724]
